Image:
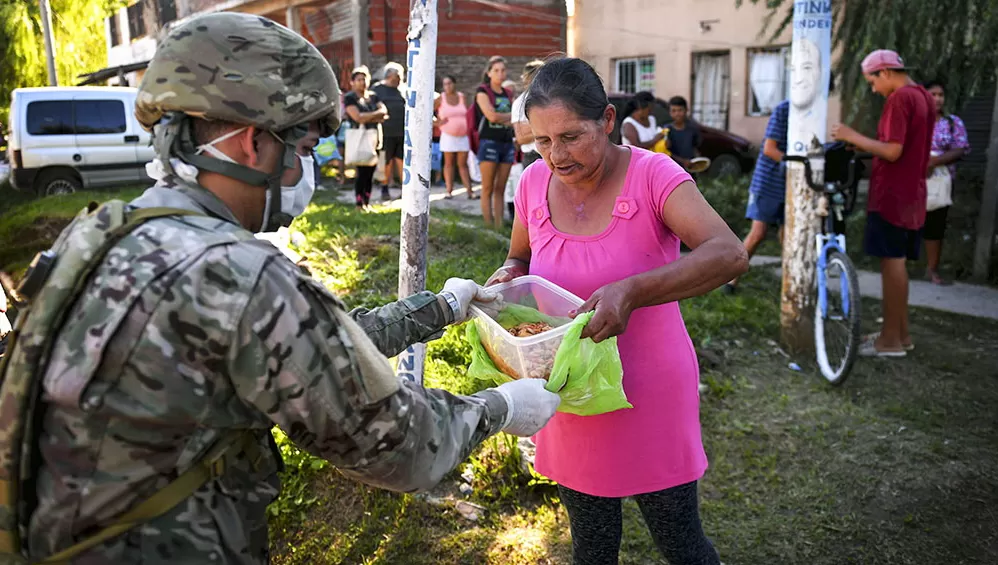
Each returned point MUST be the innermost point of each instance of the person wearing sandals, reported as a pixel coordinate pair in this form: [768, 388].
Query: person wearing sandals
[949, 145]
[896, 204]
[451, 110]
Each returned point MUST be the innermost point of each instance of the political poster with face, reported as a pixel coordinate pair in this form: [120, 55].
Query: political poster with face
[810, 69]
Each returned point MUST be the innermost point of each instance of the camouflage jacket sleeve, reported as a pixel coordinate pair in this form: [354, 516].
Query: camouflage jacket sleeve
[302, 361]
[394, 327]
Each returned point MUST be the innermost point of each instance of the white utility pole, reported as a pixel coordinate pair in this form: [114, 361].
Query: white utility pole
[421, 60]
[46, 13]
[810, 59]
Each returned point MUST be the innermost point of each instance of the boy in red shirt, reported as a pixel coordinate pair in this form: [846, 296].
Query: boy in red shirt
[896, 207]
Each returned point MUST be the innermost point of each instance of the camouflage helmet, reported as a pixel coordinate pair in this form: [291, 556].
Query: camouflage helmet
[240, 68]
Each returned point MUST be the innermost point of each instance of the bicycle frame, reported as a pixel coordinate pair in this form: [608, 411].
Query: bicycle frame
[826, 242]
[829, 239]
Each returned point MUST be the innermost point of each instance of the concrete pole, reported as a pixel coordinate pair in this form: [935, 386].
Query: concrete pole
[989, 204]
[361, 25]
[809, 77]
[292, 19]
[421, 62]
[46, 13]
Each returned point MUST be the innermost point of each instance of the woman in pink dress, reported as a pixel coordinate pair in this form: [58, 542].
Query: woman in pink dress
[605, 222]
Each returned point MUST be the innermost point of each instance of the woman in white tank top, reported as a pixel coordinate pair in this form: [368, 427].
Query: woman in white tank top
[639, 127]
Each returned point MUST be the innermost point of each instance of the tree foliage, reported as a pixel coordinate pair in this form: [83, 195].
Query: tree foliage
[955, 41]
[78, 35]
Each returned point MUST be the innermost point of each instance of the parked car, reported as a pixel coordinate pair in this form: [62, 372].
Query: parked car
[62, 139]
[730, 154]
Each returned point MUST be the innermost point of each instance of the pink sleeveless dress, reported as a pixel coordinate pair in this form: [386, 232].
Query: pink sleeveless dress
[657, 444]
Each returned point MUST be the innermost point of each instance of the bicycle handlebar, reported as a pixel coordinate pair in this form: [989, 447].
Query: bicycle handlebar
[830, 187]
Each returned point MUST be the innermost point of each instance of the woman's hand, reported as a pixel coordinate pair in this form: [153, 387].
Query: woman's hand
[613, 306]
[509, 271]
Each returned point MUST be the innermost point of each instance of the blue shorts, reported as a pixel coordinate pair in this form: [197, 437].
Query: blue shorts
[765, 208]
[884, 239]
[492, 151]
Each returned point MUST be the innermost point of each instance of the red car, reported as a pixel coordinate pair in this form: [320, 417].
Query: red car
[730, 154]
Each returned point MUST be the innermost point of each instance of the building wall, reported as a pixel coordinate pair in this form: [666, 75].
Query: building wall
[671, 31]
[470, 33]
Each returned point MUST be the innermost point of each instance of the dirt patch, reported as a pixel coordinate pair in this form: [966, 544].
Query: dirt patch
[371, 246]
[35, 237]
[44, 229]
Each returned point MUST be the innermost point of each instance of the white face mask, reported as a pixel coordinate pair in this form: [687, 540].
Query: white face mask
[294, 199]
[210, 149]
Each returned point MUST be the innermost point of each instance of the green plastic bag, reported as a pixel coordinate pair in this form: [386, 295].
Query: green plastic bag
[586, 375]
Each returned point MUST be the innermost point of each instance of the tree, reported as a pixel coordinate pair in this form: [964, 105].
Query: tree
[78, 33]
[955, 41]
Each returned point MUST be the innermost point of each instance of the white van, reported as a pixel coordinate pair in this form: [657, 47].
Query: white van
[63, 139]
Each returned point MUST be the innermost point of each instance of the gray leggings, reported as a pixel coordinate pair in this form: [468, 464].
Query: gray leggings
[672, 517]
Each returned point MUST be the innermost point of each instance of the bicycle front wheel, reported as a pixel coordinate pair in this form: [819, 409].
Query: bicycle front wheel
[836, 318]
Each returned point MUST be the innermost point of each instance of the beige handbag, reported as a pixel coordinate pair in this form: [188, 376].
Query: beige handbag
[362, 147]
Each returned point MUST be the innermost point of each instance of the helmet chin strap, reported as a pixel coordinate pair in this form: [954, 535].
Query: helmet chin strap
[276, 218]
[177, 140]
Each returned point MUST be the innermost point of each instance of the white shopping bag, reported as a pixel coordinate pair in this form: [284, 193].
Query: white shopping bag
[476, 173]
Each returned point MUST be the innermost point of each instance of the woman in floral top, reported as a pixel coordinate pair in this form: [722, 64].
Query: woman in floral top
[949, 145]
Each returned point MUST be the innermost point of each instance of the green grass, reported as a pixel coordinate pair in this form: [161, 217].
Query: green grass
[29, 225]
[897, 466]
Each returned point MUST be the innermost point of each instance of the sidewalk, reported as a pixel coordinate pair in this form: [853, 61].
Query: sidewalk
[460, 202]
[959, 298]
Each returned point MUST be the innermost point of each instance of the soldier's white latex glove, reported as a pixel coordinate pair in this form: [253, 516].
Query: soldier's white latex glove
[529, 406]
[464, 292]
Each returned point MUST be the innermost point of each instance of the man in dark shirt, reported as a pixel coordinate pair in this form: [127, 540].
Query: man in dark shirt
[896, 206]
[684, 136]
[393, 129]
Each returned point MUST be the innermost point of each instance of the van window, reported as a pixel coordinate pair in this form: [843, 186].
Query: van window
[50, 117]
[100, 116]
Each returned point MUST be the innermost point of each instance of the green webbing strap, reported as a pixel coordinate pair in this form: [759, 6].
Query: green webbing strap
[210, 467]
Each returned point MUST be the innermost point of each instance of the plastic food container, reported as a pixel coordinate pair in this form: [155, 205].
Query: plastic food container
[531, 356]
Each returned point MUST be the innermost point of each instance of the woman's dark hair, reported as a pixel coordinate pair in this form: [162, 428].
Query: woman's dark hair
[574, 83]
[493, 60]
[449, 77]
[935, 82]
[639, 101]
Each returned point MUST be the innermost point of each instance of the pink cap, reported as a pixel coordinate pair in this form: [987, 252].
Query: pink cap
[883, 59]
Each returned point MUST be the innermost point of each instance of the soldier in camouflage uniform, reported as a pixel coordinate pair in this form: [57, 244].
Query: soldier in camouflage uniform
[191, 328]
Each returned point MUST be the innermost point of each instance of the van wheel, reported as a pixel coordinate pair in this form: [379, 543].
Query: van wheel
[725, 165]
[58, 182]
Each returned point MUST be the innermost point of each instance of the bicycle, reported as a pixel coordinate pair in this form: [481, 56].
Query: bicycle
[838, 305]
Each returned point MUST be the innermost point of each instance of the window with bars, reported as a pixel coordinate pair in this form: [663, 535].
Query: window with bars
[167, 11]
[136, 23]
[634, 75]
[112, 24]
[768, 78]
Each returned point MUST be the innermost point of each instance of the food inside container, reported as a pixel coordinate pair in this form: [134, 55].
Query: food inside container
[527, 329]
[524, 337]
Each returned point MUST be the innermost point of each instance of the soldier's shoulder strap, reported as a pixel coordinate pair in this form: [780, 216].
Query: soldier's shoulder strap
[54, 280]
